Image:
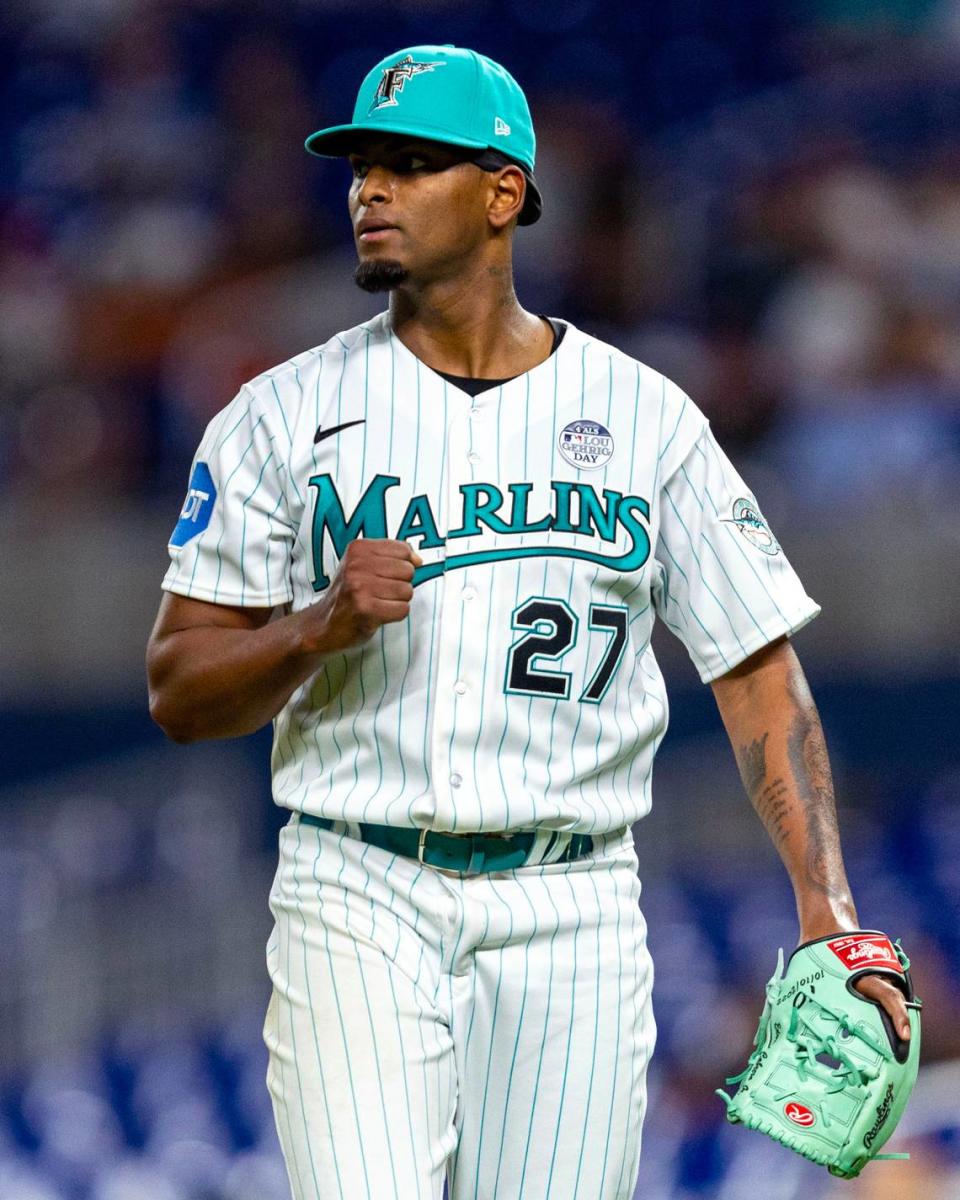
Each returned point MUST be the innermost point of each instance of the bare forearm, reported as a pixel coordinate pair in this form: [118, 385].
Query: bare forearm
[778, 740]
[216, 682]
[216, 671]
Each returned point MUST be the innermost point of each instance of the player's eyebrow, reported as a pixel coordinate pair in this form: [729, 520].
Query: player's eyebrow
[428, 150]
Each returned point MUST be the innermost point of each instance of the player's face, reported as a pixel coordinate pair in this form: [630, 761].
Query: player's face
[418, 210]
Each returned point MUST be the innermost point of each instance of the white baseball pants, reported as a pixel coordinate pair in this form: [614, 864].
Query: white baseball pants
[493, 1029]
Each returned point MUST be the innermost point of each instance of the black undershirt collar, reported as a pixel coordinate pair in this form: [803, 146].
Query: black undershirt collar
[473, 387]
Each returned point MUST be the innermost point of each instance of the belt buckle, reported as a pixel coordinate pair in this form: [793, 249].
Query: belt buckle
[440, 870]
[446, 870]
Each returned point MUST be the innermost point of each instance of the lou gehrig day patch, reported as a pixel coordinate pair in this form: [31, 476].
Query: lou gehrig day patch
[197, 508]
[857, 951]
[585, 444]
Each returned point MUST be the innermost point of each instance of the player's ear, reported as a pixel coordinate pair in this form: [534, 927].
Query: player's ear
[508, 189]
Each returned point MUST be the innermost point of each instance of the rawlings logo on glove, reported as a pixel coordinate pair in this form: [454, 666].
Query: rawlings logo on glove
[828, 1075]
[856, 949]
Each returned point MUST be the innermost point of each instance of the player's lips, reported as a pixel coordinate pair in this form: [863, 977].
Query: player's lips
[373, 229]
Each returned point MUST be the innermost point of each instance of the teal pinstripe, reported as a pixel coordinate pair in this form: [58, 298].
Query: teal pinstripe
[243, 524]
[290, 1154]
[683, 609]
[719, 560]
[696, 559]
[669, 441]
[373, 1036]
[633, 1079]
[396, 1007]
[365, 651]
[543, 1044]
[296, 1059]
[466, 582]
[233, 428]
[547, 564]
[249, 447]
[581, 709]
[290, 474]
[566, 1059]
[490, 1043]
[316, 1045]
[433, 616]
[516, 1044]
[270, 518]
[771, 595]
[616, 1053]
[383, 641]
[593, 1058]
[336, 997]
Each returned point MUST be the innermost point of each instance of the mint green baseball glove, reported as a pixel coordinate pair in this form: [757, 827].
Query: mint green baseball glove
[828, 1075]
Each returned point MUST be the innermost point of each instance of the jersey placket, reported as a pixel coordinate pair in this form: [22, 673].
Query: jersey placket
[462, 645]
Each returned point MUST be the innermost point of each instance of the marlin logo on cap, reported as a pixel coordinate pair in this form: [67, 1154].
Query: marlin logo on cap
[396, 76]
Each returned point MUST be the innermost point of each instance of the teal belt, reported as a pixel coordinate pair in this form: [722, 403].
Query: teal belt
[460, 853]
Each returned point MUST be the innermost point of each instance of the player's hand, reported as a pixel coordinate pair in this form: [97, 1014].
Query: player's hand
[890, 998]
[372, 587]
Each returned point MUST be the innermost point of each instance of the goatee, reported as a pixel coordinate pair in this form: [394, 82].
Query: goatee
[379, 275]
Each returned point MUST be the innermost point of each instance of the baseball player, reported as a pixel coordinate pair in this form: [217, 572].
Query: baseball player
[463, 518]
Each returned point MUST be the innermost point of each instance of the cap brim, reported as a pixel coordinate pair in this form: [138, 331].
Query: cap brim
[340, 140]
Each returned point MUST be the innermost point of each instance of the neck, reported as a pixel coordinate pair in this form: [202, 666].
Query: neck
[472, 325]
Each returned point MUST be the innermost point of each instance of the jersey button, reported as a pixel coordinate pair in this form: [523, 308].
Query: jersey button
[473, 457]
[456, 780]
[475, 411]
[468, 594]
[460, 687]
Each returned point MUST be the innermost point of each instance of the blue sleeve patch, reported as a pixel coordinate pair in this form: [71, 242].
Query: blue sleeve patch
[197, 508]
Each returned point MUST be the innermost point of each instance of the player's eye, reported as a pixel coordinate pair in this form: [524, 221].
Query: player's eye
[405, 164]
[360, 168]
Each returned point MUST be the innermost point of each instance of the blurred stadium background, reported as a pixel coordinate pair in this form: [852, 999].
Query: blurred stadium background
[761, 199]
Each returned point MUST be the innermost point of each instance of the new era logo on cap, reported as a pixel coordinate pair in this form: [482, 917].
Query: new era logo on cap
[501, 128]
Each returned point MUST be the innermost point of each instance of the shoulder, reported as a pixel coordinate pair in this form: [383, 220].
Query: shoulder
[278, 392]
[663, 401]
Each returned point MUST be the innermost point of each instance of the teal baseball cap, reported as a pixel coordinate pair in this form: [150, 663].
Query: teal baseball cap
[444, 94]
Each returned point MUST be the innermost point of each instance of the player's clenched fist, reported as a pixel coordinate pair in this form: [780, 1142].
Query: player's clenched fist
[372, 587]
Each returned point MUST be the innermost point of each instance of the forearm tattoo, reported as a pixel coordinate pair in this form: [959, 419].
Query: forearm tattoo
[770, 799]
[810, 766]
[802, 804]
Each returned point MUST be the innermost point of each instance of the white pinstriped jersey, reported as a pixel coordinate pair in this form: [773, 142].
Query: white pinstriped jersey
[555, 514]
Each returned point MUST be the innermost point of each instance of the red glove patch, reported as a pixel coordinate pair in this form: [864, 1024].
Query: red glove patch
[858, 951]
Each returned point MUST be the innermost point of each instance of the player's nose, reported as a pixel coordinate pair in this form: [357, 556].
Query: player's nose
[376, 186]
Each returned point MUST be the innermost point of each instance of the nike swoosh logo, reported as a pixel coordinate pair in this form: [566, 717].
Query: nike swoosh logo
[325, 433]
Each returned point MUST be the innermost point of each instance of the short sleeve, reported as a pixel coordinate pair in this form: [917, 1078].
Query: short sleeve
[233, 541]
[721, 580]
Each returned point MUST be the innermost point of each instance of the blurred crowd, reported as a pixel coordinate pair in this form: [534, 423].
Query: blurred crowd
[791, 257]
